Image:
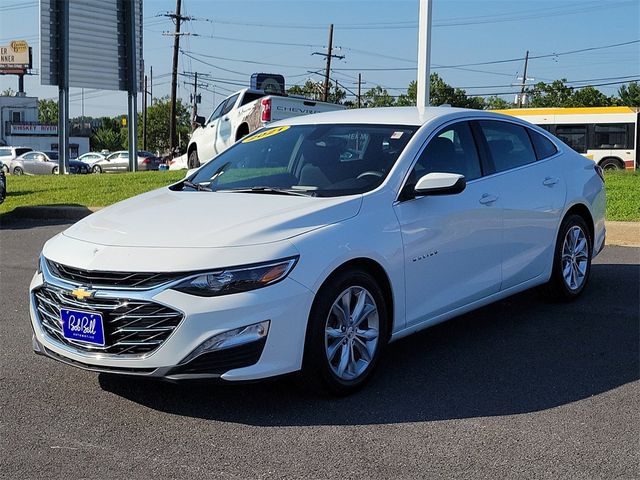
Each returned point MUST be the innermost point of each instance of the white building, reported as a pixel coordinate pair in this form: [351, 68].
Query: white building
[19, 127]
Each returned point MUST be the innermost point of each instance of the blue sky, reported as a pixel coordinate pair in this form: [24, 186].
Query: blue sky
[377, 38]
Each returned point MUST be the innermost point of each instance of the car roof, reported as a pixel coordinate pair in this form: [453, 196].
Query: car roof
[379, 115]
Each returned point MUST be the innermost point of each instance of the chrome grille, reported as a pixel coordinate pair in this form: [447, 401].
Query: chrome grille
[94, 278]
[131, 327]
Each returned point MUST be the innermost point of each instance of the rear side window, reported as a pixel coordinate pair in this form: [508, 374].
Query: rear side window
[229, 105]
[250, 97]
[509, 144]
[20, 151]
[542, 145]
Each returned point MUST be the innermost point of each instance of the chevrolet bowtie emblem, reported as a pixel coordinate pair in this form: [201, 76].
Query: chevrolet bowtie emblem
[81, 293]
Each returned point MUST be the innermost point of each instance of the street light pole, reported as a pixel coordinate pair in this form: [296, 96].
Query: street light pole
[424, 54]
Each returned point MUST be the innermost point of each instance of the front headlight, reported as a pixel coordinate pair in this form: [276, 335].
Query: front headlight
[237, 279]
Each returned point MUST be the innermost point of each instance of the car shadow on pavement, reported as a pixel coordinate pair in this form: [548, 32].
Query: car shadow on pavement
[519, 355]
[24, 218]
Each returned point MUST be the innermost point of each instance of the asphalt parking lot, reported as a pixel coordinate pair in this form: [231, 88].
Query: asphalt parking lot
[520, 389]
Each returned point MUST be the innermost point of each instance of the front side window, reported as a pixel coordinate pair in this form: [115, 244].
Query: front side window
[29, 156]
[315, 160]
[452, 150]
[573, 135]
[509, 144]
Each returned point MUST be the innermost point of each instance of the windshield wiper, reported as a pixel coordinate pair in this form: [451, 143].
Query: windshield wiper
[196, 186]
[271, 190]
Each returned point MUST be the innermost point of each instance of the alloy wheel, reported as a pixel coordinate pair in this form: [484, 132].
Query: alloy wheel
[351, 333]
[575, 257]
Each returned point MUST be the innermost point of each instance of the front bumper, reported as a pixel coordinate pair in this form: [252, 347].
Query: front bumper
[285, 304]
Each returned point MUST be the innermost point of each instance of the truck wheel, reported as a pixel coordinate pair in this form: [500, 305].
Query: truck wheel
[193, 161]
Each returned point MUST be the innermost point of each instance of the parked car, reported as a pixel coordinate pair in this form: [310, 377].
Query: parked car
[8, 154]
[91, 158]
[119, 162]
[43, 163]
[311, 244]
[3, 183]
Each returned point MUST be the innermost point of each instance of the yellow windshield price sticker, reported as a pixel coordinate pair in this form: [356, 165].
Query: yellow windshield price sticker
[266, 133]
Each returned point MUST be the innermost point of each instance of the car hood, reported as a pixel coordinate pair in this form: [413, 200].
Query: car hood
[189, 219]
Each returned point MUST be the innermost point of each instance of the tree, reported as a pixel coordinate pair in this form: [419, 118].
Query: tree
[496, 103]
[555, 94]
[589, 97]
[158, 116]
[630, 95]
[106, 138]
[440, 93]
[315, 91]
[377, 97]
[48, 111]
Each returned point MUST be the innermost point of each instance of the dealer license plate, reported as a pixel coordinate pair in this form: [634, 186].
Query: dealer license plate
[82, 326]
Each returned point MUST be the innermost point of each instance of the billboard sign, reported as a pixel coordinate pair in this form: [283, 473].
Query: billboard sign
[32, 129]
[98, 42]
[15, 56]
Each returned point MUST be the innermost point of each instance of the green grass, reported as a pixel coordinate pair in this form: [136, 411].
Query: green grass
[623, 196]
[84, 190]
[623, 190]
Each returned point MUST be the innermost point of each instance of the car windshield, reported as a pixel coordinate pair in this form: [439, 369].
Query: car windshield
[316, 160]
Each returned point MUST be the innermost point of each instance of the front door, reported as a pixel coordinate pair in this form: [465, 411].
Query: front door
[451, 242]
[225, 126]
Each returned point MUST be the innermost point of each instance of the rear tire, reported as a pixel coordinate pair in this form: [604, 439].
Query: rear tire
[194, 161]
[571, 261]
[346, 333]
[18, 171]
[611, 164]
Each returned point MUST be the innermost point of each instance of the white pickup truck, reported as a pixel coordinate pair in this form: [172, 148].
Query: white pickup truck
[240, 114]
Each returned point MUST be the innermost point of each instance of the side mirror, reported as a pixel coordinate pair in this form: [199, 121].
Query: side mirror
[201, 120]
[440, 184]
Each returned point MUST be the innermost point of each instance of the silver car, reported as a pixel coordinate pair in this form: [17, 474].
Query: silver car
[92, 158]
[43, 163]
[119, 162]
[8, 154]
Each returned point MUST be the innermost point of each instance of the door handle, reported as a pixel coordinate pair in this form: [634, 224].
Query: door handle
[488, 199]
[226, 119]
[550, 181]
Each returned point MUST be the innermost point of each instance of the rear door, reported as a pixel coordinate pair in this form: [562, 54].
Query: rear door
[532, 192]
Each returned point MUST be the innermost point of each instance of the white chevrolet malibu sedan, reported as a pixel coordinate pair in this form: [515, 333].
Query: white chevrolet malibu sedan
[313, 243]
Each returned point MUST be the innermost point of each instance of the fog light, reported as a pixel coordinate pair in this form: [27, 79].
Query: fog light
[231, 338]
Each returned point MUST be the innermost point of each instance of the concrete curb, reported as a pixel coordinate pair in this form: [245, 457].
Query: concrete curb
[623, 233]
[618, 233]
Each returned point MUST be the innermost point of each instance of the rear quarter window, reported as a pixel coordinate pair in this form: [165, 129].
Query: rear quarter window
[543, 147]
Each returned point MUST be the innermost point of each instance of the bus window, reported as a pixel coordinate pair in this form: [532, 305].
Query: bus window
[611, 136]
[573, 135]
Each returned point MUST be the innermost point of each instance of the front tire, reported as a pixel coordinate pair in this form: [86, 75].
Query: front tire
[572, 260]
[194, 161]
[96, 169]
[54, 171]
[18, 171]
[346, 333]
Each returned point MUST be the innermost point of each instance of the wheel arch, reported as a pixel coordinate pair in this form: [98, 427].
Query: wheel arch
[379, 273]
[583, 211]
[242, 131]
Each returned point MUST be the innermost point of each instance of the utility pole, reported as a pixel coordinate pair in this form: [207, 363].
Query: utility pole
[144, 115]
[195, 96]
[177, 18]
[359, 90]
[524, 80]
[329, 55]
[151, 85]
